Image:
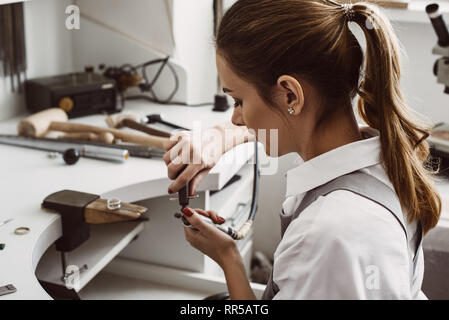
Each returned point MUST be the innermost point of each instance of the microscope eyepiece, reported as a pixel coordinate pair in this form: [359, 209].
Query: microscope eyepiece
[433, 11]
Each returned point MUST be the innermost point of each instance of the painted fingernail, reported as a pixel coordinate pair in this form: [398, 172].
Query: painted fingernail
[220, 220]
[170, 191]
[188, 212]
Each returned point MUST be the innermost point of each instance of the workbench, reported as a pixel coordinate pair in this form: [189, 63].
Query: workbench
[134, 260]
[162, 257]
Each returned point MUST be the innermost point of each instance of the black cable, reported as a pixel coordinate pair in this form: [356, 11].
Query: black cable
[148, 86]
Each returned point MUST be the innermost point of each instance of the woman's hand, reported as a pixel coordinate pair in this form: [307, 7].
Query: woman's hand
[222, 249]
[206, 238]
[190, 155]
[193, 157]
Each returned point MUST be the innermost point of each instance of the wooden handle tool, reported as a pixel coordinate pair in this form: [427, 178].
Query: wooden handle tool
[39, 124]
[97, 212]
[105, 137]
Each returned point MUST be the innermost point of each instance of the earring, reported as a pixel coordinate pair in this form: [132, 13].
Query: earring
[291, 110]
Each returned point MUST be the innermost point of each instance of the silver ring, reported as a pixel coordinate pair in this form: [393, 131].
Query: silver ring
[22, 231]
[114, 204]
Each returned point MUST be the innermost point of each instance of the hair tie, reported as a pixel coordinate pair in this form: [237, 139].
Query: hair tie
[349, 11]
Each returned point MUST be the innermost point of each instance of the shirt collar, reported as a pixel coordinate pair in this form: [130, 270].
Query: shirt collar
[335, 163]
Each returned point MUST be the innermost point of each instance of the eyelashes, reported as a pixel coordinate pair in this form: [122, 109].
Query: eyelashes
[237, 103]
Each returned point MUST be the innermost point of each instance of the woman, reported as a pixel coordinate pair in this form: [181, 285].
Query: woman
[357, 208]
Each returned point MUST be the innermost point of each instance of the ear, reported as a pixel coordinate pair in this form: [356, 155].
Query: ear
[292, 94]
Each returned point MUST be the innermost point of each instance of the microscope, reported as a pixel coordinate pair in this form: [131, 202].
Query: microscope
[441, 67]
[439, 139]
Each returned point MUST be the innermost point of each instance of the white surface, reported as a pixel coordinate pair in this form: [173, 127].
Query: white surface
[138, 19]
[138, 31]
[29, 176]
[173, 277]
[416, 12]
[107, 286]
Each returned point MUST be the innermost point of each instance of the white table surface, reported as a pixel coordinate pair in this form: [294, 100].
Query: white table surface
[27, 176]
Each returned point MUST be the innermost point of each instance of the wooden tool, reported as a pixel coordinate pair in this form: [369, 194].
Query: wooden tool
[128, 120]
[105, 137]
[55, 119]
[97, 212]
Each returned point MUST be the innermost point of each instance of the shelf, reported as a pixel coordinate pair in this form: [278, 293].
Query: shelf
[105, 243]
[170, 279]
[107, 286]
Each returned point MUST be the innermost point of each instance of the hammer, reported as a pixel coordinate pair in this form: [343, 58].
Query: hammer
[38, 124]
[129, 120]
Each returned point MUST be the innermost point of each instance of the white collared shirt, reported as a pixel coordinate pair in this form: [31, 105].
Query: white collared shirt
[343, 246]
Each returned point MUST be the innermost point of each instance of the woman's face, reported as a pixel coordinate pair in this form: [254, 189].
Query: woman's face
[251, 111]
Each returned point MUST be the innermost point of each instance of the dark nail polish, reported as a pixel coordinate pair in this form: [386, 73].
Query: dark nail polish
[188, 212]
[170, 191]
[221, 220]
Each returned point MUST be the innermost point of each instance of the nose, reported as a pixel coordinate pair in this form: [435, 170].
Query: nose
[237, 117]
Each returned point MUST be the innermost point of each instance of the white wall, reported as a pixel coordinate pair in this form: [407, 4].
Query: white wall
[418, 82]
[150, 29]
[48, 45]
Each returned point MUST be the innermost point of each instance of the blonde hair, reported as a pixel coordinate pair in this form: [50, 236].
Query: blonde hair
[263, 39]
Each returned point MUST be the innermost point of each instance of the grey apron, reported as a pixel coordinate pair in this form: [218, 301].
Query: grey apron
[368, 187]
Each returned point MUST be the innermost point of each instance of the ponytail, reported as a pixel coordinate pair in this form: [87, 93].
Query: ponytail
[402, 135]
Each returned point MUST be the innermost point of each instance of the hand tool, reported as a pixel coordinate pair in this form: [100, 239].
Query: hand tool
[78, 210]
[156, 118]
[128, 120]
[7, 289]
[105, 137]
[55, 119]
[85, 150]
[234, 233]
[134, 150]
[5, 222]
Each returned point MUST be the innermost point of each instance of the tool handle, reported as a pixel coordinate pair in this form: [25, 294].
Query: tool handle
[143, 128]
[150, 141]
[97, 212]
[36, 125]
[105, 137]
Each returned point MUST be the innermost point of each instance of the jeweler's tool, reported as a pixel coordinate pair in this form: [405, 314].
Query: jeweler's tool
[244, 230]
[79, 210]
[84, 150]
[134, 150]
[104, 137]
[129, 120]
[7, 289]
[55, 119]
[157, 118]
[183, 200]
[5, 222]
